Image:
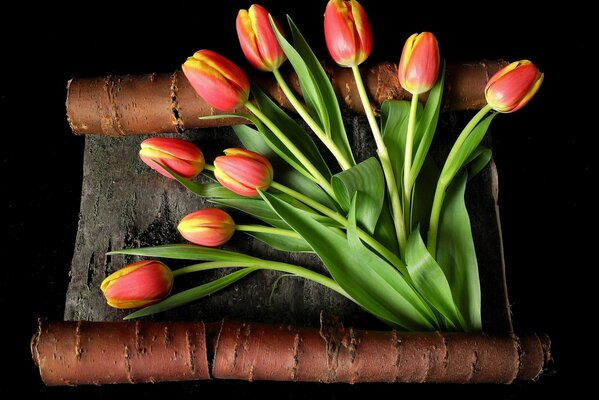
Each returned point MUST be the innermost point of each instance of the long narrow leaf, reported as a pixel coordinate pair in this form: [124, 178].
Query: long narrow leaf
[193, 294]
[456, 254]
[186, 252]
[283, 243]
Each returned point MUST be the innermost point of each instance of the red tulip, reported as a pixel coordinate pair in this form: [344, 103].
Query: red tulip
[183, 157]
[347, 32]
[208, 227]
[258, 40]
[513, 86]
[243, 171]
[419, 64]
[138, 285]
[222, 84]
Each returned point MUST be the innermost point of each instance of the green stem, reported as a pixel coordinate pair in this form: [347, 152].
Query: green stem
[270, 265]
[267, 229]
[407, 169]
[372, 242]
[209, 167]
[398, 219]
[316, 174]
[446, 178]
[301, 110]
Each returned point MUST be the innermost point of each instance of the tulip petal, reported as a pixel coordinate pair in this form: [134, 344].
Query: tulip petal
[340, 33]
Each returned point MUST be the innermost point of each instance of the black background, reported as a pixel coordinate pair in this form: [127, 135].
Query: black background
[544, 155]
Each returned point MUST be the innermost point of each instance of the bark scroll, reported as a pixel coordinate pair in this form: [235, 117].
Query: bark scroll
[166, 103]
[80, 353]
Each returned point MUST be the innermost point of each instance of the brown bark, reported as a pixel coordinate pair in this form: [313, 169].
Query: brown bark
[84, 353]
[76, 353]
[165, 103]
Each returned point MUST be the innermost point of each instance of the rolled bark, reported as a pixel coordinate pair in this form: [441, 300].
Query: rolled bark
[166, 103]
[97, 353]
[78, 353]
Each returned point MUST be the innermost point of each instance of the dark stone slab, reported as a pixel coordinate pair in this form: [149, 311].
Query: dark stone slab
[124, 204]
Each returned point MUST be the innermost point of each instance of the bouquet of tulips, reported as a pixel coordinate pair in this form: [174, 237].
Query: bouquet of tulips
[392, 231]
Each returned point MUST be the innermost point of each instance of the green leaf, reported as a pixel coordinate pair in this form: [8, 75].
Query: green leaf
[310, 90]
[369, 280]
[186, 252]
[427, 125]
[193, 294]
[282, 243]
[478, 160]
[258, 208]
[423, 194]
[394, 119]
[457, 256]
[429, 279]
[292, 130]
[468, 147]
[384, 232]
[367, 179]
[335, 129]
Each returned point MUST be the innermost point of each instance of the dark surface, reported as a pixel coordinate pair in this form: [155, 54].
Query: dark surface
[543, 153]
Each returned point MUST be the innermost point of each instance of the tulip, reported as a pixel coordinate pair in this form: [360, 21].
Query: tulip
[138, 285]
[243, 171]
[207, 227]
[181, 156]
[419, 64]
[258, 40]
[347, 32]
[513, 86]
[222, 84]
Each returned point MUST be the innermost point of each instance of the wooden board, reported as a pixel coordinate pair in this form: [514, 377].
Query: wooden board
[124, 204]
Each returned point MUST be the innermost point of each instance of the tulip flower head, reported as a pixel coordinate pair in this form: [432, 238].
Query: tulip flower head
[258, 40]
[512, 87]
[347, 32]
[243, 171]
[181, 156]
[138, 285]
[207, 227]
[419, 64]
[216, 79]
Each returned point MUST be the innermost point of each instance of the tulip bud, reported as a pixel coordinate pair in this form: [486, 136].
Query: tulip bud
[243, 171]
[183, 157]
[221, 84]
[138, 285]
[419, 64]
[513, 86]
[207, 227]
[347, 32]
[258, 40]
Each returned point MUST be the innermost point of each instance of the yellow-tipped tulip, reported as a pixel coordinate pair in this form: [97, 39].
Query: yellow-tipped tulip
[243, 171]
[217, 80]
[257, 39]
[419, 64]
[183, 157]
[347, 32]
[207, 227]
[138, 285]
[512, 87]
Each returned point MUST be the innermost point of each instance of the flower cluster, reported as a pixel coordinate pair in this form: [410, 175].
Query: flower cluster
[375, 257]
